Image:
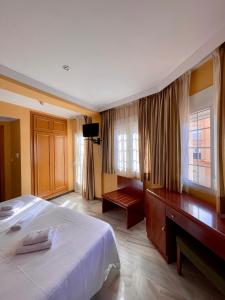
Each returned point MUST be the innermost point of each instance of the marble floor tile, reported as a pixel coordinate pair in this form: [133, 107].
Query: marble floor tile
[144, 274]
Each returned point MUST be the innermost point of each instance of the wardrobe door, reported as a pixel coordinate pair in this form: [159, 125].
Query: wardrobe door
[43, 163]
[60, 163]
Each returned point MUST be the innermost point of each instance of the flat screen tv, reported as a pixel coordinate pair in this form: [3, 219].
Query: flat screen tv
[90, 130]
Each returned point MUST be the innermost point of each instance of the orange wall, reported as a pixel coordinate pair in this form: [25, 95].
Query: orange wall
[25, 90]
[201, 77]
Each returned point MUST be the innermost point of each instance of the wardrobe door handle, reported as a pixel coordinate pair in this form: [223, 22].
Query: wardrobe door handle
[172, 216]
[164, 228]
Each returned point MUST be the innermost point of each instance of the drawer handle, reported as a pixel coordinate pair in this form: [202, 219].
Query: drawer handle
[164, 228]
[172, 216]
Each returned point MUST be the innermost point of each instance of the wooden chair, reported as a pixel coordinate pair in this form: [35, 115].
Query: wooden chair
[129, 196]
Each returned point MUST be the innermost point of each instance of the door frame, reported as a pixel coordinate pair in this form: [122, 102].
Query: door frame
[2, 164]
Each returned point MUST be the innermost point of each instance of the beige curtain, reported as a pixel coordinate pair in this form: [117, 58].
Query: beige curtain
[184, 125]
[219, 84]
[159, 137]
[88, 186]
[107, 136]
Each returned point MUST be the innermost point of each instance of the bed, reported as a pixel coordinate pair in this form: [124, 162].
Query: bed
[80, 259]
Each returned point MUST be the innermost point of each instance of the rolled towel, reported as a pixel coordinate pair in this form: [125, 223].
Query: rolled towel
[6, 207]
[23, 222]
[34, 248]
[6, 213]
[37, 236]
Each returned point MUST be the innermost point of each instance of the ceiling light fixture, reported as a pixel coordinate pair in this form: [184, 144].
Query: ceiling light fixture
[66, 68]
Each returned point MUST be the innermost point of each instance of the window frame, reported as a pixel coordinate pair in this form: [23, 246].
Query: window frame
[128, 165]
[212, 149]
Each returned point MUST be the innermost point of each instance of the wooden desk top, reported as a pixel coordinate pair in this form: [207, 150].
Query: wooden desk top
[193, 208]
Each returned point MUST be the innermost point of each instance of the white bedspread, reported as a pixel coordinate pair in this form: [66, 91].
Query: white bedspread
[75, 267]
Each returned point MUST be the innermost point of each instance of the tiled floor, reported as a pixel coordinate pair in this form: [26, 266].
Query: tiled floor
[144, 273]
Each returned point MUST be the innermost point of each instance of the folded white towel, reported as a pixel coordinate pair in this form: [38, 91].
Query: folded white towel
[6, 207]
[6, 213]
[36, 236]
[34, 248]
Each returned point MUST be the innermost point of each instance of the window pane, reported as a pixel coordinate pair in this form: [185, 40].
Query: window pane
[193, 173]
[193, 156]
[204, 138]
[204, 176]
[193, 138]
[193, 122]
[204, 157]
[204, 119]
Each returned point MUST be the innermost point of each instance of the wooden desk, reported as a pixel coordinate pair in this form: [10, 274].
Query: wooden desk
[194, 216]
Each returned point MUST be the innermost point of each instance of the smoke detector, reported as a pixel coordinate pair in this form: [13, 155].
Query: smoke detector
[66, 68]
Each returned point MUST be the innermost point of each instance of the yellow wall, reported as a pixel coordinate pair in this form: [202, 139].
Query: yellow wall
[25, 90]
[201, 77]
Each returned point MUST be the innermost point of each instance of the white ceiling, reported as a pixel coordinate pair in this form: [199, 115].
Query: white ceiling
[33, 104]
[118, 50]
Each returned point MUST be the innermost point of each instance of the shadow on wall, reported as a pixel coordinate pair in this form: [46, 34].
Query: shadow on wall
[10, 161]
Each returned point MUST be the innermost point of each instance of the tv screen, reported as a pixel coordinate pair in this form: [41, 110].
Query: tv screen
[90, 130]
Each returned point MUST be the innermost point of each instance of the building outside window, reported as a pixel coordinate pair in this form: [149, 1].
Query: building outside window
[200, 148]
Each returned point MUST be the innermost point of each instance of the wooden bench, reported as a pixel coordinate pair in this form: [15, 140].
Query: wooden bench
[129, 196]
[203, 259]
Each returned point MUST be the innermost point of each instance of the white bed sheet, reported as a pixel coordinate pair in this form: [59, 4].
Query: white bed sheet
[83, 251]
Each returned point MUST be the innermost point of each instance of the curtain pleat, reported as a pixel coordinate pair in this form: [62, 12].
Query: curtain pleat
[160, 137]
[219, 83]
[107, 136]
[88, 186]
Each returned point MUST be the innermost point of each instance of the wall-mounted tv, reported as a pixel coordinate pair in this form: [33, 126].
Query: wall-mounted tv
[90, 130]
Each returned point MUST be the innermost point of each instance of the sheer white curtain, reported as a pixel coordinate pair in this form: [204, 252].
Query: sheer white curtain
[126, 152]
[79, 154]
[184, 125]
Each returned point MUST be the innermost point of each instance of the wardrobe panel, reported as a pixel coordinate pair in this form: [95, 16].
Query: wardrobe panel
[60, 165]
[43, 163]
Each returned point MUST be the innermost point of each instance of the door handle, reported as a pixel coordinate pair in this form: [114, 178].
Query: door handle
[164, 228]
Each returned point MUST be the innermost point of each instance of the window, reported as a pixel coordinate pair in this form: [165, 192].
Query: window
[79, 155]
[126, 152]
[128, 155]
[79, 161]
[200, 148]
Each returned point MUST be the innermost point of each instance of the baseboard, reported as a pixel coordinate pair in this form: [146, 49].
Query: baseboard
[98, 198]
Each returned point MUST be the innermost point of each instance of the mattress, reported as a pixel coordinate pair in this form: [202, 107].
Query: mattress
[83, 252]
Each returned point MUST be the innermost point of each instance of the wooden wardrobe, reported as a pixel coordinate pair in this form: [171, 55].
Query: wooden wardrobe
[49, 155]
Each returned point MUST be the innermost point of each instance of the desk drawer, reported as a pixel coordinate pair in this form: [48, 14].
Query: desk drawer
[175, 216]
[207, 236]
